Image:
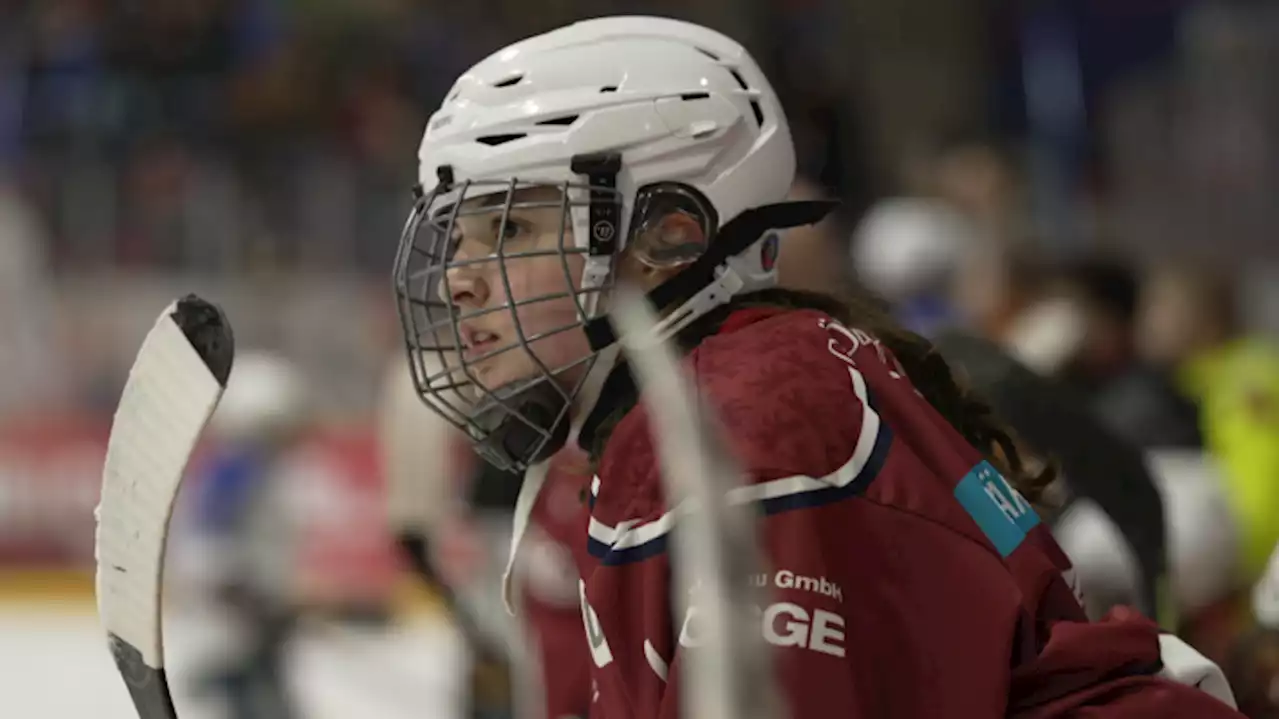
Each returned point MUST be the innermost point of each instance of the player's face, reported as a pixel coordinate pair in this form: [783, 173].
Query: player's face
[533, 284]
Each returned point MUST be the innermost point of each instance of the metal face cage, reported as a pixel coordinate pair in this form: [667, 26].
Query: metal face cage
[511, 424]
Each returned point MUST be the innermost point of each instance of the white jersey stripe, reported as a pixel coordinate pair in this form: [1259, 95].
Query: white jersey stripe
[629, 534]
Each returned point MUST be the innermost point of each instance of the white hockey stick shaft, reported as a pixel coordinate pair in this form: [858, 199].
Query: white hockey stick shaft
[727, 676]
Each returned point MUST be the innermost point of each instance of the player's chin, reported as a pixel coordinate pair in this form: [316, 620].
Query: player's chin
[503, 371]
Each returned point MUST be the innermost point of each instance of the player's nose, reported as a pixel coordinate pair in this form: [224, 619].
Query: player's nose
[464, 284]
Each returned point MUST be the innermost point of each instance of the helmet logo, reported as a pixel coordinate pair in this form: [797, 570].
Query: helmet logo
[602, 231]
[769, 252]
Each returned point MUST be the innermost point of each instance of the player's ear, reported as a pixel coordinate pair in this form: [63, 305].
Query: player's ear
[663, 247]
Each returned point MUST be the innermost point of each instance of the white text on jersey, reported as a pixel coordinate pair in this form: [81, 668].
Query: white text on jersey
[785, 579]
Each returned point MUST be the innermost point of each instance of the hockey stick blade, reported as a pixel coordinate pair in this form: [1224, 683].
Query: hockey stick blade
[173, 387]
[728, 674]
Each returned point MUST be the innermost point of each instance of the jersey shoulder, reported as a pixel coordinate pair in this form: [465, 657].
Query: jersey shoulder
[788, 407]
[789, 388]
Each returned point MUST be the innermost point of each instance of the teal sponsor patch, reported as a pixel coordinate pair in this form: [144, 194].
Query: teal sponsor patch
[1000, 511]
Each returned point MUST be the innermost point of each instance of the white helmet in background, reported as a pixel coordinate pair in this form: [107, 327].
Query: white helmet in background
[626, 116]
[905, 246]
[265, 396]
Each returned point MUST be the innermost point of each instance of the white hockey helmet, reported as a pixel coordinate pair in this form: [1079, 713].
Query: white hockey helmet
[904, 246]
[265, 397]
[625, 115]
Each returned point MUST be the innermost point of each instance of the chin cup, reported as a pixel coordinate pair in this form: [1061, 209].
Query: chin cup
[522, 427]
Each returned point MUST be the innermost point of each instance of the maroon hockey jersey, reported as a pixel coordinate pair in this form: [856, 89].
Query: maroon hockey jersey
[548, 586]
[906, 578]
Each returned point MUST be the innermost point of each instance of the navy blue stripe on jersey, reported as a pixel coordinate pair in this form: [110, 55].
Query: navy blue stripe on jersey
[820, 497]
[640, 542]
[611, 557]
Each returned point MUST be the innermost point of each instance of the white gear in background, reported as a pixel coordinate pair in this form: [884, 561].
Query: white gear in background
[1202, 540]
[1047, 335]
[265, 396]
[1200, 536]
[1103, 563]
[907, 246]
[415, 446]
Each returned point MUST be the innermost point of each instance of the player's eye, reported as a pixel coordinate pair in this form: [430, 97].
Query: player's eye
[507, 230]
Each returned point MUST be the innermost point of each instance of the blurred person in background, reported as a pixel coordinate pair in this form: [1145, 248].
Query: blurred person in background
[1075, 321]
[246, 540]
[1189, 329]
[906, 250]
[1083, 331]
[1105, 291]
[976, 175]
[451, 513]
[1004, 293]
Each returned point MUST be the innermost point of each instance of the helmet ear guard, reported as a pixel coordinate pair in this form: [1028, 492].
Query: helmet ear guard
[718, 273]
[714, 271]
[671, 226]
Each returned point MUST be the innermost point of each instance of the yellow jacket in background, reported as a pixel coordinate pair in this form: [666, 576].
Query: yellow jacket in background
[1238, 390]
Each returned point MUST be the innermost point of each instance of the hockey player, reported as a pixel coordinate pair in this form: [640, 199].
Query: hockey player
[245, 543]
[909, 575]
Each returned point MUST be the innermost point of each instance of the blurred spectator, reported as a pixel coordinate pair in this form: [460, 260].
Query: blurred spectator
[1076, 322]
[999, 292]
[906, 250]
[979, 177]
[1190, 327]
[1106, 290]
[1137, 400]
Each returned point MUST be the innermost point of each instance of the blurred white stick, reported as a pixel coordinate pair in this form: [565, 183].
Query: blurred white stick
[727, 675]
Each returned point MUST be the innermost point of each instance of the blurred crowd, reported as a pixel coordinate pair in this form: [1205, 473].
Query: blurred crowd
[220, 134]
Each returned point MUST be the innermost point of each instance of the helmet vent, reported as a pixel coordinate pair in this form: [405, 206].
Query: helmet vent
[566, 120]
[755, 104]
[494, 140]
[514, 79]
